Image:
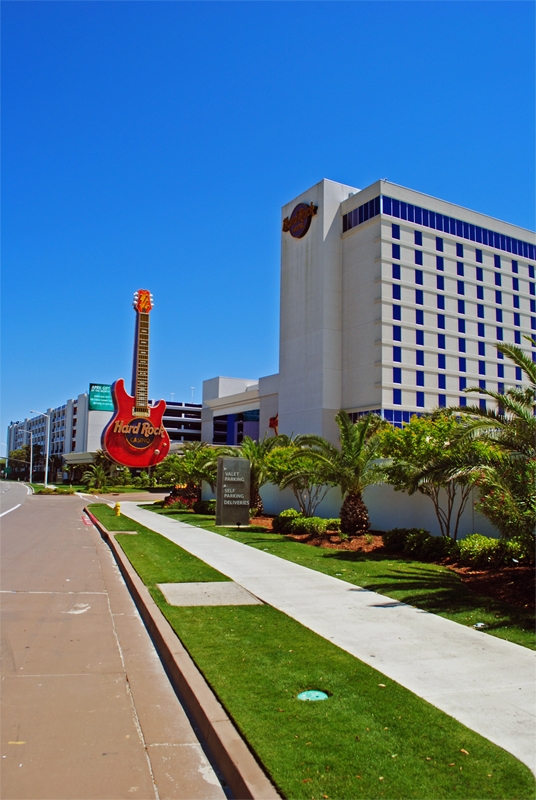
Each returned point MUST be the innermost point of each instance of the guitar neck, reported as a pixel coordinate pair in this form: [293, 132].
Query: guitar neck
[140, 372]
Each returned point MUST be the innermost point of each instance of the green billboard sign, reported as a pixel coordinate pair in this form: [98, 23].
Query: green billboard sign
[100, 397]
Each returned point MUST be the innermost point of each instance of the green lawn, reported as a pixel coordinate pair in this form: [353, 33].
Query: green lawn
[371, 739]
[428, 586]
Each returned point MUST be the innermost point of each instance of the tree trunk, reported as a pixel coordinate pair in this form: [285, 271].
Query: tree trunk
[354, 515]
[255, 502]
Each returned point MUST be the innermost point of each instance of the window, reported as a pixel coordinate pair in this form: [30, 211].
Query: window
[419, 377]
[463, 401]
[419, 277]
[419, 297]
[418, 238]
[500, 370]
[482, 404]
[439, 244]
[532, 288]
[481, 367]
[499, 334]
[481, 329]
[480, 312]
[515, 284]
[478, 254]
[396, 291]
[395, 231]
[440, 264]
[463, 384]
[459, 268]
[441, 341]
[441, 321]
[441, 381]
[418, 256]
[533, 306]
[461, 345]
[459, 250]
[397, 312]
[515, 267]
[500, 388]
[461, 323]
[517, 319]
[396, 251]
[440, 280]
[397, 397]
[461, 287]
[479, 274]
[419, 358]
[419, 316]
[419, 338]
[397, 354]
[517, 337]
[461, 306]
[397, 333]
[397, 375]
[497, 260]
[396, 272]
[420, 399]
[498, 314]
[500, 355]
[479, 292]
[462, 364]
[498, 277]
[482, 348]
[533, 324]
[481, 384]
[442, 400]
[531, 271]
[516, 301]
[441, 361]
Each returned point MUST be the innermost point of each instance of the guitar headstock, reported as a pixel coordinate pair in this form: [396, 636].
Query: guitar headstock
[143, 301]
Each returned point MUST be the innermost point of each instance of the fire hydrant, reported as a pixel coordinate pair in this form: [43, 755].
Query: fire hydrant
[117, 509]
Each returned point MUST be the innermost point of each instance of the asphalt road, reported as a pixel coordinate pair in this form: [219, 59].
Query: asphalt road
[87, 709]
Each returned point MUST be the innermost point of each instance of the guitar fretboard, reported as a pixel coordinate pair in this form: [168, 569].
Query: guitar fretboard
[140, 390]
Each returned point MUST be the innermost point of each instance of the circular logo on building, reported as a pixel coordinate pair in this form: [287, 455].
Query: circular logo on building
[140, 433]
[300, 220]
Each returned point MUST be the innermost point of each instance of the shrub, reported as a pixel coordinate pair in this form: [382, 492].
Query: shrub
[480, 551]
[333, 525]
[282, 523]
[418, 543]
[205, 507]
[312, 526]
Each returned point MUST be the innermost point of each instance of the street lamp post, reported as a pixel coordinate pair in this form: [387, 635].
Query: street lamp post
[31, 454]
[44, 414]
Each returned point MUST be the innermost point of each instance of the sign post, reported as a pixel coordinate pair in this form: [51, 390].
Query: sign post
[232, 491]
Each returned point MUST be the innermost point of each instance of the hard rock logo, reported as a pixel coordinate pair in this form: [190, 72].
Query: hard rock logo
[299, 221]
[138, 432]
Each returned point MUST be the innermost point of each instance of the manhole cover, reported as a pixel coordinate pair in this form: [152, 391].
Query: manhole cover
[312, 694]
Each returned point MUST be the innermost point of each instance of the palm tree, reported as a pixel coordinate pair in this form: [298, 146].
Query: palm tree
[353, 467]
[95, 477]
[256, 453]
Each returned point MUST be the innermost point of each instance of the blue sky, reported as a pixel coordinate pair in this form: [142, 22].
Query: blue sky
[152, 145]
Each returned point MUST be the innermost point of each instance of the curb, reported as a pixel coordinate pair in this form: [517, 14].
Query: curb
[237, 764]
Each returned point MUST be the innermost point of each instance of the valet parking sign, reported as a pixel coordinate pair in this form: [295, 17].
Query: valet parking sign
[232, 492]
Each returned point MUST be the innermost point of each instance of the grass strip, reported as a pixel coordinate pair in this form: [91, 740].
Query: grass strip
[371, 739]
[431, 587]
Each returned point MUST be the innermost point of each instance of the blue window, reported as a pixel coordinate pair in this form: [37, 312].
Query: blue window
[442, 400]
[517, 337]
[396, 231]
[532, 288]
[419, 358]
[439, 244]
[481, 384]
[440, 280]
[461, 322]
[478, 254]
[499, 334]
[463, 384]
[497, 261]
[461, 306]
[482, 348]
[482, 404]
[463, 401]
[516, 301]
[441, 321]
[462, 364]
[519, 376]
[531, 271]
[459, 268]
[498, 279]
[480, 312]
[500, 388]
[419, 297]
[498, 314]
[396, 272]
[397, 354]
[418, 238]
[515, 266]
[480, 292]
[397, 375]
[419, 316]
[418, 256]
[517, 319]
[441, 301]
[396, 251]
[397, 312]
[441, 361]
[479, 274]
[420, 399]
[461, 287]
[500, 355]
[459, 250]
[533, 306]
[481, 329]
[419, 378]
[397, 333]
[441, 341]
[396, 291]
[515, 284]
[461, 345]
[533, 324]
[481, 367]
[397, 397]
[419, 338]
[440, 264]
[500, 370]
[441, 381]
[419, 277]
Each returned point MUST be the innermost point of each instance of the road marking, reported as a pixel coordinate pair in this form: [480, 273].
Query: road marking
[10, 509]
[79, 608]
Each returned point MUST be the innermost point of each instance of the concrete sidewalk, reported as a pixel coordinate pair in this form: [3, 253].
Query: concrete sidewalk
[484, 682]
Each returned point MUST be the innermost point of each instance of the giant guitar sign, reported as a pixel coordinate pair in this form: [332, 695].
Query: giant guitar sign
[135, 436]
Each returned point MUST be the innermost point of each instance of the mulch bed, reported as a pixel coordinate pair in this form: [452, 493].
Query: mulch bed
[515, 585]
